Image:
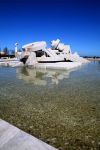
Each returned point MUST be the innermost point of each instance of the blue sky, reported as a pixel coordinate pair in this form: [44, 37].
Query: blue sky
[74, 22]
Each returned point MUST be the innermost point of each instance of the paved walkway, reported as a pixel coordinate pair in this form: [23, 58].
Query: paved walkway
[12, 138]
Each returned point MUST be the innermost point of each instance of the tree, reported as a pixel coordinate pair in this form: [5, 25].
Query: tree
[12, 52]
[19, 50]
[6, 51]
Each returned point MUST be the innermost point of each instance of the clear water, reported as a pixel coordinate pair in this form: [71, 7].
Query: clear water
[61, 108]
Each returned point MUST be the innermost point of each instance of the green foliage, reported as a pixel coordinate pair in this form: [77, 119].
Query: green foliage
[12, 52]
[6, 51]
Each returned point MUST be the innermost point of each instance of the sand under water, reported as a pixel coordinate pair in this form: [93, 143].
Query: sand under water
[61, 108]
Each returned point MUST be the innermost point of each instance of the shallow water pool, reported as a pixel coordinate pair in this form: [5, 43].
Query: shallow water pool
[61, 108]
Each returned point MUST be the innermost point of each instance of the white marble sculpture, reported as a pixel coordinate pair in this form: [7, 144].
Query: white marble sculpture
[36, 54]
[66, 51]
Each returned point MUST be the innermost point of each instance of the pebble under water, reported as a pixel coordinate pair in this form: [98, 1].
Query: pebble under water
[62, 108]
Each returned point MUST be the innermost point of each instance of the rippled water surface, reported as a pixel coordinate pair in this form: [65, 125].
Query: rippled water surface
[61, 108]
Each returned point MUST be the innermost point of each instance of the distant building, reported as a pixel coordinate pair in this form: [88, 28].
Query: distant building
[2, 54]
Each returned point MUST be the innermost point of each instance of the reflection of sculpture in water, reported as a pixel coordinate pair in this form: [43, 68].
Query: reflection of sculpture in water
[30, 75]
[40, 76]
[56, 75]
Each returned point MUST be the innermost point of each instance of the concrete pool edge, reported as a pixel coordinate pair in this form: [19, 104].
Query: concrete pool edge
[12, 138]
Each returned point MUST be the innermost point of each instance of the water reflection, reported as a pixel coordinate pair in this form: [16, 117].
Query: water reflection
[41, 76]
